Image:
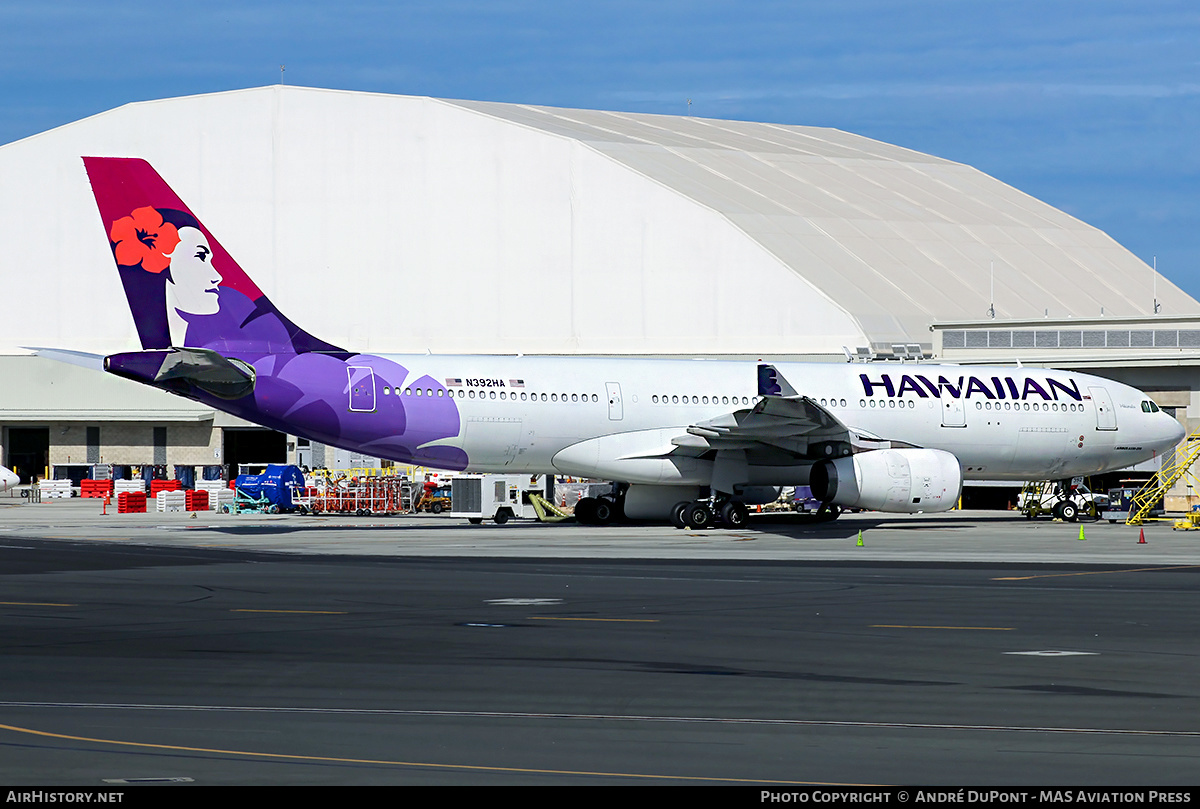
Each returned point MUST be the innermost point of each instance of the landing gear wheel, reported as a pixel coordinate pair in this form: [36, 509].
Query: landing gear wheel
[604, 512]
[677, 512]
[734, 514]
[1068, 511]
[585, 511]
[697, 516]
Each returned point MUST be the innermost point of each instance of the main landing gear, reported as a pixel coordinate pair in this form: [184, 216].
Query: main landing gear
[728, 513]
[706, 514]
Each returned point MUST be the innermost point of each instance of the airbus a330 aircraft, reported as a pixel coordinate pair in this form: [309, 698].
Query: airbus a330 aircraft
[695, 441]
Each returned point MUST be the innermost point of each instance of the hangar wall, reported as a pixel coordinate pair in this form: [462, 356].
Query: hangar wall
[406, 224]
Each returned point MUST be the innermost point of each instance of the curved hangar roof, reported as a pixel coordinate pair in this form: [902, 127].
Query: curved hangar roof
[405, 224]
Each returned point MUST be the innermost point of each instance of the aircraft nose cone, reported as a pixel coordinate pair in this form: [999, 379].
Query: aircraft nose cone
[1177, 432]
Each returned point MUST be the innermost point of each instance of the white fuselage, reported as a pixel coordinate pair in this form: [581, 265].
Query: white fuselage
[1002, 423]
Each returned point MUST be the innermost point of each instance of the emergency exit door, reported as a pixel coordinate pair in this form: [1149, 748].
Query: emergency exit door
[362, 388]
[616, 411]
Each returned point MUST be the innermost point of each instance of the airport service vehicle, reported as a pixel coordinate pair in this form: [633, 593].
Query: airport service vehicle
[1120, 502]
[1067, 500]
[494, 497]
[435, 500]
[700, 440]
[803, 501]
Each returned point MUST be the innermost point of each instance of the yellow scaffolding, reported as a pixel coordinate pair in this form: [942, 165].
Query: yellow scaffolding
[1173, 468]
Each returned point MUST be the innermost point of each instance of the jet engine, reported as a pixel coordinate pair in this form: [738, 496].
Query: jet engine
[896, 480]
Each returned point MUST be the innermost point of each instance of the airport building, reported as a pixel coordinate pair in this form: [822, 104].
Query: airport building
[409, 224]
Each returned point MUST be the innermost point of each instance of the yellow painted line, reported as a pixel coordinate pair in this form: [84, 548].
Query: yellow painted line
[298, 612]
[913, 626]
[1095, 573]
[598, 620]
[35, 604]
[473, 767]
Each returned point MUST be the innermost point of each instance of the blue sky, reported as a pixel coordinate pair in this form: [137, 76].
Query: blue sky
[1091, 106]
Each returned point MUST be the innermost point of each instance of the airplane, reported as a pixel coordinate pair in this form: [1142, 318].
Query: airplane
[693, 441]
[8, 479]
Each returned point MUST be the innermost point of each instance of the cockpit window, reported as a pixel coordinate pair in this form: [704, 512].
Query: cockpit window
[1149, 407]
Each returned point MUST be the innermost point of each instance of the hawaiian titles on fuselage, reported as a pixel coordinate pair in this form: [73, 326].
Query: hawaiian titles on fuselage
[964, 387]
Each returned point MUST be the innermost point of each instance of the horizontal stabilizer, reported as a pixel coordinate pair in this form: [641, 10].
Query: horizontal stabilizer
[94, 362]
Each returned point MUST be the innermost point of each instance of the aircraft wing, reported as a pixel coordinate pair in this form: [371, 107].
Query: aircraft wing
[782, 423]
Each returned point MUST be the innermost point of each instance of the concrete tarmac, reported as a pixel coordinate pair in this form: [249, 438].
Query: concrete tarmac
[957, 536]
[956, 649]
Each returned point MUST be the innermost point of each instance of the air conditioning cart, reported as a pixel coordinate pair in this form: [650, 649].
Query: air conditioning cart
[494, 497]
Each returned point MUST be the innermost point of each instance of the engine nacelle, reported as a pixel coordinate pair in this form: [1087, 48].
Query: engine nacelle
[896, 480]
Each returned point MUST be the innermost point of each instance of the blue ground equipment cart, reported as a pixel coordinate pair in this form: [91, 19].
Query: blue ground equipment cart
[270, 492]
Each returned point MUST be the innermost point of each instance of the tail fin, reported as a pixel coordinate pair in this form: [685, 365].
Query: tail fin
[183, 288]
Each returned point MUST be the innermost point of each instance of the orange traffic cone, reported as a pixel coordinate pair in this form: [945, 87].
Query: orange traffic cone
[1142, 537]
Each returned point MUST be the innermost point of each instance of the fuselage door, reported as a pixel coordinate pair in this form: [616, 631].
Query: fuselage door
[362, 388]
[1106, 417]
[616, 411]
[954, 414]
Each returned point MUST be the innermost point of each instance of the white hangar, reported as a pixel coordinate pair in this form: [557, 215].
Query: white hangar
[407, 224]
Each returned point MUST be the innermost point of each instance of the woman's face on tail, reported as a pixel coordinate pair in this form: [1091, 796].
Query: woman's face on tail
[193, 275]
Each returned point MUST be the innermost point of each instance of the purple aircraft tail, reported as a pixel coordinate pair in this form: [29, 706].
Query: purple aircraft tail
[209, 333]
[183, 288]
